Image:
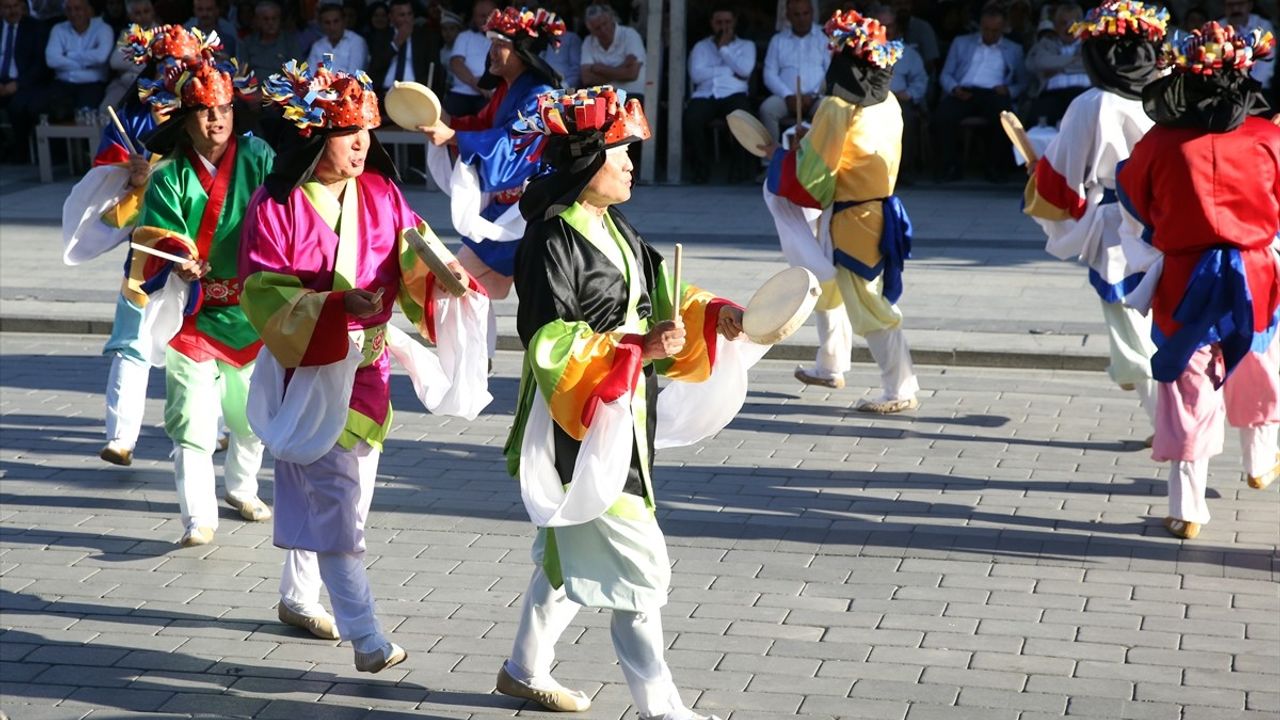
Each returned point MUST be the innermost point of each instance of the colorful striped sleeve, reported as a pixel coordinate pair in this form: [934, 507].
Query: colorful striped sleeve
[818, 156]
[160, 225]
[577, 368]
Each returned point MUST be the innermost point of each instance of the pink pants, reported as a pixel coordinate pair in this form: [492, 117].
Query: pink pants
[1190, 428]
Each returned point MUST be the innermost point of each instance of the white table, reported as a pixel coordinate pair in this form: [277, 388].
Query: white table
[71, 134]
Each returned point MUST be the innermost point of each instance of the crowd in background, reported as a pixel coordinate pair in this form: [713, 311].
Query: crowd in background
[965, 60]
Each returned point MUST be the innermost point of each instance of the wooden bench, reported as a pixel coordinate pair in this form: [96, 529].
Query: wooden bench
[72, 134]
[397, 143]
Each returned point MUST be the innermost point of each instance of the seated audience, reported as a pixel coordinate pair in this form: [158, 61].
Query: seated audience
[567, 59]
[450, 26]
[377, 25]
[77, 52]
[270, 46]
[719, 67]
[23, 76]
[800, 51]
[982, 76]
[918, 33]
[408, 56]
[206, 15]
[467, 65]
[1059, 67]
[910, 85]
[348, 49]
[124, 71]
[613, 54]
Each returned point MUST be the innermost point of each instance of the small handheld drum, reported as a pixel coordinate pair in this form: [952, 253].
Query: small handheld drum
[437, 257]
[411, 104]
[781, 306]
[748, 131]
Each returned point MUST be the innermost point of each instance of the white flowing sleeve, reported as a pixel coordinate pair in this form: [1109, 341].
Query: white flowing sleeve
[84, 234]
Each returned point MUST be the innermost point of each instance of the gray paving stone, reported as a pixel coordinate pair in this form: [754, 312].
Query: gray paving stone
[864, 585]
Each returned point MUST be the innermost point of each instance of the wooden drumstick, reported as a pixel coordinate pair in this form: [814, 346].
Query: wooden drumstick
[675, 290]
[431, 74]
[124, 136]
[160, 254]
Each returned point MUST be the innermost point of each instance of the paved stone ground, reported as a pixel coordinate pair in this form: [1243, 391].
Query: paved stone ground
[995, 555]
[980, 288]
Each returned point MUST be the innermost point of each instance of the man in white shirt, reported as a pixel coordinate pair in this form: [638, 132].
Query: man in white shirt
[349, 51]
[206, 16]
[1240, 16]
[800, 51]
[613, 54]
[77, 53]
[719, 67]
[983, 75]
[468, 63]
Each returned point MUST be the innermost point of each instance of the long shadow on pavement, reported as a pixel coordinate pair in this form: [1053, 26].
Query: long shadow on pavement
[227, 688]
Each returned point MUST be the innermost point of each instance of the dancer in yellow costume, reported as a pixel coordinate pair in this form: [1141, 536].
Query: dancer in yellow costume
[848, 162]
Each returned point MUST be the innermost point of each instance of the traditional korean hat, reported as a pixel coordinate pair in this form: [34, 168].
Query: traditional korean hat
[862, 58]
[1119, 47]
[1209, 86]
[322, 98]
[191, 77]
[530, 32]
[320, 101]
[575, 129]
[1122, 19]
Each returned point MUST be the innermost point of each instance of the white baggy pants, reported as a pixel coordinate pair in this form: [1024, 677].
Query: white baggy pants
[126, 400]
[194, 478]
[1189, 479]
[637, 641]
[343, 574]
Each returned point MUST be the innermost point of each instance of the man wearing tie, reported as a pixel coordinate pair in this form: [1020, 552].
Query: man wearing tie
[409, 55]
[22, 74]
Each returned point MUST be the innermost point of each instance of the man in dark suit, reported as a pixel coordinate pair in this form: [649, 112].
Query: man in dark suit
[409, 55]
[23, 75]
